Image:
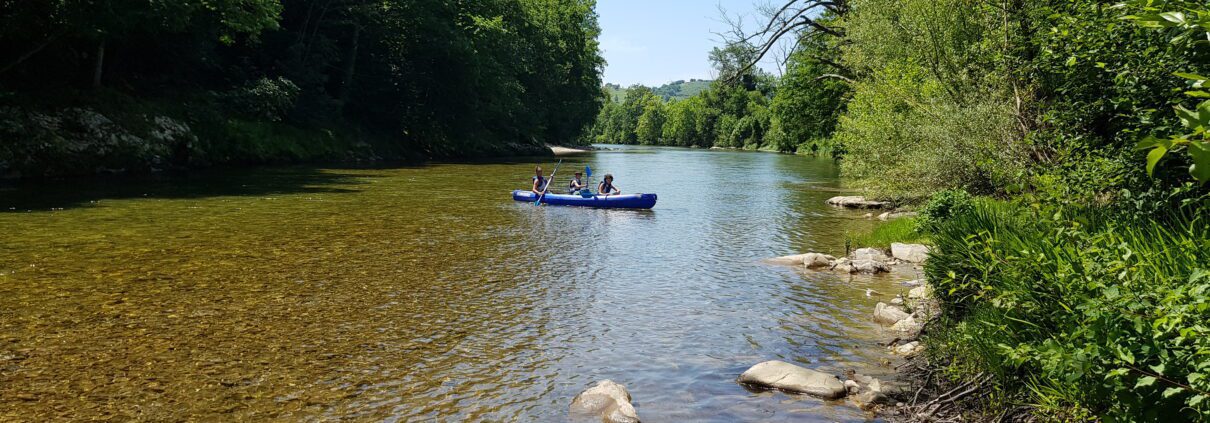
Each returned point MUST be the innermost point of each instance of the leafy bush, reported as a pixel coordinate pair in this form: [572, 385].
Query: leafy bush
[942, 206]
[906, 137]
[1093, 317]
[265, 99]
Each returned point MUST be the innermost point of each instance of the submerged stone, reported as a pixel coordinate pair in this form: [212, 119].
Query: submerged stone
[791, 260]
[817, 260]
[857, 202]
[888, 314]
[791, 378]
[607, 399]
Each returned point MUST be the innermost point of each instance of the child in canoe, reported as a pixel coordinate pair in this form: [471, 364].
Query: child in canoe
[539, 181]
[606, 186]
[576, 185]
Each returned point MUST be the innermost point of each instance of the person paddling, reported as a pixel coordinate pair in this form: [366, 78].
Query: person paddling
[606, 186]
[539, 181]
[576, 184]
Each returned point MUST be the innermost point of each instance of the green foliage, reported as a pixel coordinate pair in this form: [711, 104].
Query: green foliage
[905, 137]
[806, 108]
[1191, 20]
[680, 90]
[265, 99]
[435, 78]
[932, 109]
[650, 128]
[1089, 314]
[1104, 83]
[943, 206]
[896, 230]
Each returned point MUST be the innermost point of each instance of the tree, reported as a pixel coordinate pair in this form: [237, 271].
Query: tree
[650, 128]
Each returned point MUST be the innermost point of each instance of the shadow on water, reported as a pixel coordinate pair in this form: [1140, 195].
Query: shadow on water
[72, 193]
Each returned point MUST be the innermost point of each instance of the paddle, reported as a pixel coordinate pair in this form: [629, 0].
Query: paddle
[548, 182]
[587, 191]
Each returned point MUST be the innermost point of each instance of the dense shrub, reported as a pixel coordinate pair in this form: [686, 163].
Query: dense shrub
[264, 99]
[1083, 317]
[942, 206]
[906, 137]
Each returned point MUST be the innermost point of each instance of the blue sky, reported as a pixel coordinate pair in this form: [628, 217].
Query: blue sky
[652, 42]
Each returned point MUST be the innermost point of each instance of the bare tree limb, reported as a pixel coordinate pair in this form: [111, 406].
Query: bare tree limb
[835, 76]
[25, 56]
[791, 17]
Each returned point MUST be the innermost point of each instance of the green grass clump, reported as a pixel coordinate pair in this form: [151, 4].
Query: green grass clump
[898, 230]
[1079, 317]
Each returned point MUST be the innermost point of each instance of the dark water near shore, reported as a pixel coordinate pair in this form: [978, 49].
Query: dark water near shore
[426, 293]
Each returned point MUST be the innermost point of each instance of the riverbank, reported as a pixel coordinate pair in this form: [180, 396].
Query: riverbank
[1076, 315]
[114, 133]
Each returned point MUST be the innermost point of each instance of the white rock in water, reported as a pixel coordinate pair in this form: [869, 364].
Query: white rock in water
[857, 202]
[869, 392]
[922, 292]
[817, 260]
[869, 254]
[912, 253]
[792, 260]
[897, 301]
[888, 314]
[844, 265]
[895, 215]
[908, 348]
[914, 282]
[851, 386]
[791, 378]
[908, 325]
[609, 400]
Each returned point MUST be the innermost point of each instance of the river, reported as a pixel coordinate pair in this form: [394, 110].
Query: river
[424, 292]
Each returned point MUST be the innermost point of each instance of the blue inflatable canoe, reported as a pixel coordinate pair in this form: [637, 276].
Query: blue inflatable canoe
[616, 201]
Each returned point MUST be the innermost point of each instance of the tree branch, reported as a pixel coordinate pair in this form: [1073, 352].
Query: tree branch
[30, 53]
[835, 76]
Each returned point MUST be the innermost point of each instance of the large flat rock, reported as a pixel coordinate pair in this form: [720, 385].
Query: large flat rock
[912, 253]
[791, 260]
[791, 378]
[888, 314]
[857, 202]
[607, 399]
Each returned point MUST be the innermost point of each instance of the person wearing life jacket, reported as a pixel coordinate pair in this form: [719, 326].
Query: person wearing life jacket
[606, 186]
[576, 184]
[539, 181]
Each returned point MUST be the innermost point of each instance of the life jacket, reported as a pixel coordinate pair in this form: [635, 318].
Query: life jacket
[606, 187]
[572, 185]
[541, 183]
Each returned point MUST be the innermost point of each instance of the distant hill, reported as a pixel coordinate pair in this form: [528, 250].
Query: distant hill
[615, 91]
[675, 90]
[681, 90]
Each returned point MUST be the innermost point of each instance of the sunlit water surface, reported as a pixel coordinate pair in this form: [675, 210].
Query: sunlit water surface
[426, 293]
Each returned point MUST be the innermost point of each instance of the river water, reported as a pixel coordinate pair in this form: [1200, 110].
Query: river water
[425, 293]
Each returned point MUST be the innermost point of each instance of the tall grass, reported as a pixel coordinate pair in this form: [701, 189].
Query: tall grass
[898, 230]
[1080, 317]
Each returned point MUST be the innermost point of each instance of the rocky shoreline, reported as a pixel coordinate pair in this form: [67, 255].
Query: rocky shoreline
[905, 316]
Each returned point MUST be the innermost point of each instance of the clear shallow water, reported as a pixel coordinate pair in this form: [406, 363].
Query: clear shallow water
[426, 293]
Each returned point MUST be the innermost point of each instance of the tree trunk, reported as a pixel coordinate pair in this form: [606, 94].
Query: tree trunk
[350, 66]
[99, 65]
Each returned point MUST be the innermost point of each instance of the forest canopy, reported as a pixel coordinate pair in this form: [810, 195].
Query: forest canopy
[266, 80]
